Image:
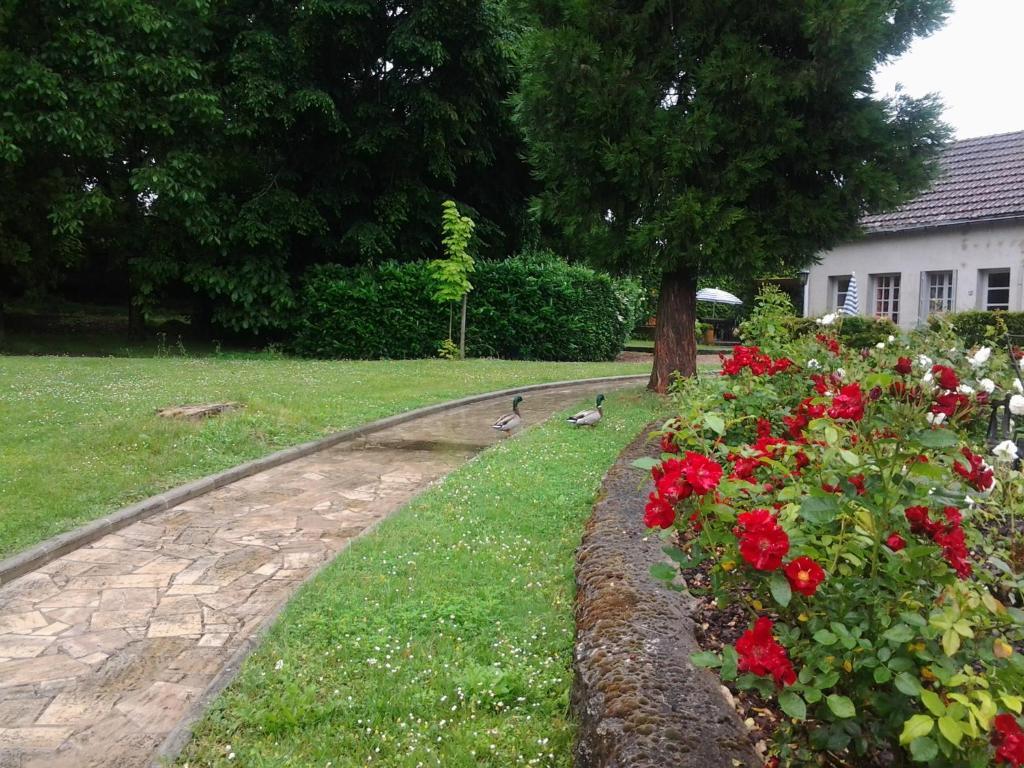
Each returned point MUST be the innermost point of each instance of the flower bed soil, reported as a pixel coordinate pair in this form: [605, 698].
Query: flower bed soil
[639, 700]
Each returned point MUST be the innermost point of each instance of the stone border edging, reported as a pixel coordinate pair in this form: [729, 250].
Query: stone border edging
[639, 700]
[49, 550]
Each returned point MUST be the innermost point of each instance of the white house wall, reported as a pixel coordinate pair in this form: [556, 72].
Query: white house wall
[964, 250]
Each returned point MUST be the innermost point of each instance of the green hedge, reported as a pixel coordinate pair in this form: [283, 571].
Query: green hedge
[973, 326]
[527, 308]
[855, 331]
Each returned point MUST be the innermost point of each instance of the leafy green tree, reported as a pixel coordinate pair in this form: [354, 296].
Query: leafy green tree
[451, 275]
[91, 92]
[347, 122]
[719, 137]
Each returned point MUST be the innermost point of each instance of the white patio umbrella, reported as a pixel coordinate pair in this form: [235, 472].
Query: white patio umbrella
[717, 296]
[851, 304]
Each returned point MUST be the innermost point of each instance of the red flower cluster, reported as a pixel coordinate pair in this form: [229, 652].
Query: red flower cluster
[979, 476]
[763, 543]
[802, 415]
[848, 404]
[753, 358]
[950, 404]
[804, 575]
[668, 443]
[1008, 739]
[903, 366]
[678, 479]
[945, 376]
[829, 342]
[762, 654]
[947, 533]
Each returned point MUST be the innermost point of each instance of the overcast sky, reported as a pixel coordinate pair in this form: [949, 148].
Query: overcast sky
[974, 63]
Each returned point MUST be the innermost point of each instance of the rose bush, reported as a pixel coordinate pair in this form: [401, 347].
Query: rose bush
[847, 501]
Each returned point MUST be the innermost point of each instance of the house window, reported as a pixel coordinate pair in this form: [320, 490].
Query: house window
[886, 296]
[995, 291]
[938, 292]
[839, 286]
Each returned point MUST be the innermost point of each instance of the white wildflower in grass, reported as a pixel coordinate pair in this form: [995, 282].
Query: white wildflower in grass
[813, 364]
[1017, 405]
[980, 357]
[986, 385]
[279, 665]
[828, 319]
[1005, 451]
[881, 344]
[924, 361]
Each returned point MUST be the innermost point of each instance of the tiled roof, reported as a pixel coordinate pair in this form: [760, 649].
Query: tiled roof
[980, 180]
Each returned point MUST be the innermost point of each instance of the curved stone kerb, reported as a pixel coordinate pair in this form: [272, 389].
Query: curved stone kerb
[639, 700]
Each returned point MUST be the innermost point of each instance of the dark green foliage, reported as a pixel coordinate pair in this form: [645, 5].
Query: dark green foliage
[733, 137]
[856, 331]
[525, 308]
[980, 327]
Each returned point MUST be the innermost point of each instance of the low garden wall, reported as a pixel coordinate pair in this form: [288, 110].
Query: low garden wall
[639, 700]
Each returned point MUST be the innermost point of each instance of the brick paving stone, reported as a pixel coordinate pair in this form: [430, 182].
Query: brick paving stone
[103, 650]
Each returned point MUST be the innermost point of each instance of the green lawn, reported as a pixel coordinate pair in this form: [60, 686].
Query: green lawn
[443, 639]
[79, 436]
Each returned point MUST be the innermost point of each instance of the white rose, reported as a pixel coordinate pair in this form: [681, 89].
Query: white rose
[980, 357]
[935, 418]
[880, 345]
[827, 319]
[1017, 405]
[987, 385]
[963, 389]
[927, 378]
[924, 361]
[813, 364]
[841, 373]
[1005, 451]
[1018, 386]
[891, 339]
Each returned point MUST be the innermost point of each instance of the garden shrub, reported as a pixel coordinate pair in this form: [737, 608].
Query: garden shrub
[532, 307]
[977, 327]
[847, 501]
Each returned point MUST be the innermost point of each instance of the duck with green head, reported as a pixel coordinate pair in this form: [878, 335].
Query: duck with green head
[510, 421]
[589, 417]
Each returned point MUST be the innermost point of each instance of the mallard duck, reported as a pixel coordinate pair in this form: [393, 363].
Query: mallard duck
[510, 421]
[590, 417]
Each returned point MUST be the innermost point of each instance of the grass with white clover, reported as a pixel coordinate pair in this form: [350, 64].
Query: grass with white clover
[79, 436]
[445, 637]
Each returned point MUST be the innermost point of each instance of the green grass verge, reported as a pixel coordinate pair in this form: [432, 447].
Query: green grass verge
[646, 345]
[79, 436]
[445, 637]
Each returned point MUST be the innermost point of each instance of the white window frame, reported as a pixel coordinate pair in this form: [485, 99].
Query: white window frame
[931, 304]
[834, 294]
[885, 295]
[985, 289]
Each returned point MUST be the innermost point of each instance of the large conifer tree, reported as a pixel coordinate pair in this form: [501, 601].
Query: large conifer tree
[720, 136]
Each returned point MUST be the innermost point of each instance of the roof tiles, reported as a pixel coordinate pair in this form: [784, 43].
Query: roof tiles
[979, 180]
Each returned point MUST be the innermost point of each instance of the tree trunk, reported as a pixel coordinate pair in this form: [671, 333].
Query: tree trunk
[462, 329]
[2, 324]
[675, 341]
[136, 322]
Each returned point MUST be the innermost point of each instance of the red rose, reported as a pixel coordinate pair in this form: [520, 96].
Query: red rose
[857, 481]
[919, 520]
[668, 443]
[728, 396]
[848, 404]
[764, 549]
[946, 376]
[979, 475]
[903, 366]
[658, 513]
[1008, 740]
[804, 575]
[762, 655]
[702, 474]
[895, 542]
[755, 521]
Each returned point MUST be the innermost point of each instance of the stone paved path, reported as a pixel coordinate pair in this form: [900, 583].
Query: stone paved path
[103, 650]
